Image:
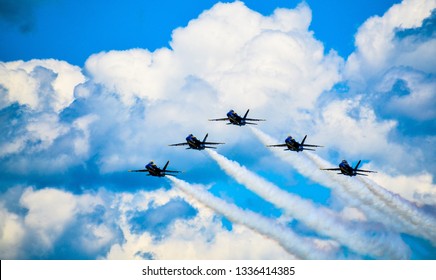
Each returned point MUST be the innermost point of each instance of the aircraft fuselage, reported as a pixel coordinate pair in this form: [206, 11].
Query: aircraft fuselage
[194, 143]
[153, 170]
[235, 119]
[346, 169]
[293, 145]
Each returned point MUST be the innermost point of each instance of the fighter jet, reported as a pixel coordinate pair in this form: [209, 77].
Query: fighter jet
[235, 119]
[196, 144]
[347, 170]
[292, 145]
[153, 170]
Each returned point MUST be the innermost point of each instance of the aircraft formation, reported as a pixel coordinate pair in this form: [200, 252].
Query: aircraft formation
[234, 119]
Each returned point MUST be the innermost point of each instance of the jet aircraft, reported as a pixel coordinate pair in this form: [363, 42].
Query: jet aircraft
[347, 170]
[153, 170]
[196, 144]
[235, 119]
[292, 145]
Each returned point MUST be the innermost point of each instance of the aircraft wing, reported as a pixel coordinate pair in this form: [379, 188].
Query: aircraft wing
[307, 145]
[139, 170]
[212, 143]
[172, 171]
[179, 144]
[369, 171]
[222, 119]
[277, 145]
[257, 120]
[331, 169]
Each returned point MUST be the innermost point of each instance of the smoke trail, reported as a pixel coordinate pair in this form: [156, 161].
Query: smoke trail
[355, 236]
[406, 208]
[307, 166]
[374, 206]
[302, 247]
[403, 215]
[354, 189]
[307, 163]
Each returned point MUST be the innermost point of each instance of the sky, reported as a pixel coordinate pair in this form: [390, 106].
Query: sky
[90, 90]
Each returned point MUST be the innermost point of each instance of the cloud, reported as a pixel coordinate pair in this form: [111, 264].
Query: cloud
[263, 61]
[88, 226]
[352, 124]
[378, 48]
[41, 219]
[135, 73]
[381, 111]
[201, 237]
[157, 219]
[17, 85]
[12, 233]
[165, 93]
[302, 247]
[409, 93]
[35, 93]
[80, 129]
[32, 229]
[40, 84]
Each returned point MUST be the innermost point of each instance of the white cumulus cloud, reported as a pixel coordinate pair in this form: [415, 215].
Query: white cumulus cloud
[378, 49]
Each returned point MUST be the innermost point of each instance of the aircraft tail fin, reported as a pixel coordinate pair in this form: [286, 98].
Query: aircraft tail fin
[205, 137]
[246, 113]
[357, 165]
[304, 139]
[166, 165]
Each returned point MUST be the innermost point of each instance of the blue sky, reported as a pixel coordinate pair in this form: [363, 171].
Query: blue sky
[89, 90]
[72, 30]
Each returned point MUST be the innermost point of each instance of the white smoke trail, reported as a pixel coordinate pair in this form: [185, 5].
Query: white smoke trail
[348, 186]
[403, 215]
[406, 208]
[304, 166]
[352, 191]
[302, 247]
[356, 236]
